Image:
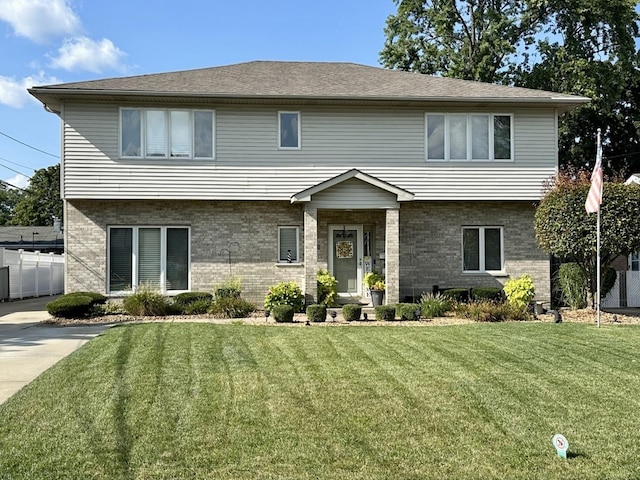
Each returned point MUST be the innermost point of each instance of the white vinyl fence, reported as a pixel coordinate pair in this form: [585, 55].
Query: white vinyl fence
[625, 292]
[33, 274]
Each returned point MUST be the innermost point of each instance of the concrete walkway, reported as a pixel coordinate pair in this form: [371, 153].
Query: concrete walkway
[28, 347]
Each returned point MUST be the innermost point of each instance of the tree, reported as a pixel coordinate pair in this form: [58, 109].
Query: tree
[9, 198]
[471, 40]
[40, 201]
[564, 228]
[584, 47]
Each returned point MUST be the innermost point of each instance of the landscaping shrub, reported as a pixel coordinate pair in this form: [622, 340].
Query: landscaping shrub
[520, 291]
[229, 288]
[231, 307]
[317, 313]
[434, 305]
[70, 306]
[146, 301]
[327, 288]
[96, 298]
[108, 308]
[487, 293]
[284, 293]
[197, 307]
[457, 294]
[489, 311]
[282, 313]
[573, 285]
[385, 312]
[187, 298]
[408, 311]
[351, 312]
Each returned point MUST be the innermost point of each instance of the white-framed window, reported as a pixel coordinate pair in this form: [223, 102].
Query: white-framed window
[469, 136]
[289, 130]
[153, 255]
[288, 244]
[161, 133]
[482, 249]
[634, 262]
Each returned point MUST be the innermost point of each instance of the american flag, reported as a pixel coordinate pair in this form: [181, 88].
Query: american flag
[594, 198]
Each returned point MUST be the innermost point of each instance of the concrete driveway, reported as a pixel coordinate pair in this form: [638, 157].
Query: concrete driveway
[28, 347]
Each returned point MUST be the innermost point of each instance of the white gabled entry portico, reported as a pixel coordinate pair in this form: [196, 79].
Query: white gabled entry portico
[349, 253]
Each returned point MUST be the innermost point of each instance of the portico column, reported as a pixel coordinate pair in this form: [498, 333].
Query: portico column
[392, 256]
[310, 286]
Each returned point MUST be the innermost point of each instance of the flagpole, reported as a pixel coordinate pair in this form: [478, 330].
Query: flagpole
[598, 271]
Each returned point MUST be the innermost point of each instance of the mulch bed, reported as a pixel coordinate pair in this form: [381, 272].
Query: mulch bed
[581, 316]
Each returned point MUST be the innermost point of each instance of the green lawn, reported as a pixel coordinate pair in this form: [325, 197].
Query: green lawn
[251, 402]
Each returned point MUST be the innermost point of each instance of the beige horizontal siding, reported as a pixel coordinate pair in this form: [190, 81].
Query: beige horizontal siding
[388, 144]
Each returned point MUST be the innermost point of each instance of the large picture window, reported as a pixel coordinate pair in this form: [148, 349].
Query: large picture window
[162, 133]
[155, 256]
[482, 249]
[466, 137]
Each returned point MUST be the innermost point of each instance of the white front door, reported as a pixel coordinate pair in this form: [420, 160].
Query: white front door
[345, 258]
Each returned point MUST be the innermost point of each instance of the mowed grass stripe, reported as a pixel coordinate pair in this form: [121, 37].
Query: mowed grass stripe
[233, 401]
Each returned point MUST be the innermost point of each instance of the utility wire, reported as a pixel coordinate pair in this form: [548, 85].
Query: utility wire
[18, 164]
[29, 146]
[16, 171]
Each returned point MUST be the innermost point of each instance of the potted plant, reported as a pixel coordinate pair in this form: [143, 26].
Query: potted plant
[375, 283]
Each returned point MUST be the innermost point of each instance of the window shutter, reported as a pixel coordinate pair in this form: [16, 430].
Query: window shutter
[149, 256]
[288, 244]
[120, 250]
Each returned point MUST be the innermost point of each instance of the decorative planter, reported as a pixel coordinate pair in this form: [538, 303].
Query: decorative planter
[377, 296]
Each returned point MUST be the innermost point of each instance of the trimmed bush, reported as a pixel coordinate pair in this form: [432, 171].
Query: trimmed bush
[487, 293]
[231, 307]
[457, 294]
[317, 313]
[385, 312]
[70, 306]
[284, 293]
[146, 302]
[282, 313]
[96, 298]
[408, 311]
[351, 312]
[187, 298]
[520, 291]
[327, 288]
[197, 307]
[432, 306]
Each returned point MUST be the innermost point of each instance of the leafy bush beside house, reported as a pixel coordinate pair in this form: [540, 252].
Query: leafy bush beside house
[146, 301]
[327, 288]
[520, 291]
[285, 293]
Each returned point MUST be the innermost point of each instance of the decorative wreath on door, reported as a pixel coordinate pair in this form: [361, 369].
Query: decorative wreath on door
[344, 249]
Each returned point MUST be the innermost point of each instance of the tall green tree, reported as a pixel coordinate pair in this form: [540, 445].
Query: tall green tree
[40, 201]
[9, 198]
[564, 228]
[583, 47]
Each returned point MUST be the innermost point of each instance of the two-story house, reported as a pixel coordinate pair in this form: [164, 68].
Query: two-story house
[268, 171]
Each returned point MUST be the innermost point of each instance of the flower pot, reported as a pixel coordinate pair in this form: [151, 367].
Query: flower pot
[377, 296]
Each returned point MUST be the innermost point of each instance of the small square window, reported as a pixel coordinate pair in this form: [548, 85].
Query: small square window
[288, 244]
[289, 130]
[482, 249]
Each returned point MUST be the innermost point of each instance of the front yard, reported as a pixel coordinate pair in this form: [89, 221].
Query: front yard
[187, 400]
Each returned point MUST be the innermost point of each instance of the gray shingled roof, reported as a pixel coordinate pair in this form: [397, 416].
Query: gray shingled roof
[305, 80]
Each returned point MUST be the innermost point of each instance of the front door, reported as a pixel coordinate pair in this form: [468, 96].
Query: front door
[345, 258]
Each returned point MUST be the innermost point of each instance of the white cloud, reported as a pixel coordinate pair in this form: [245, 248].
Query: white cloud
[83, 53]
[40, 20]
[14, 92]
[19, 181]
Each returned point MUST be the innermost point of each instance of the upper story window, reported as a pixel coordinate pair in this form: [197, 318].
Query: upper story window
[160, 133]
[473, 136]
[289, 130]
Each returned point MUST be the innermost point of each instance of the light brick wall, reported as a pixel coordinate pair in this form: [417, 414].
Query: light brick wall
[431, 245]
[214, 226]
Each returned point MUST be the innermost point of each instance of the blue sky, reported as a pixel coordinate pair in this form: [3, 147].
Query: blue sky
[55, 41]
